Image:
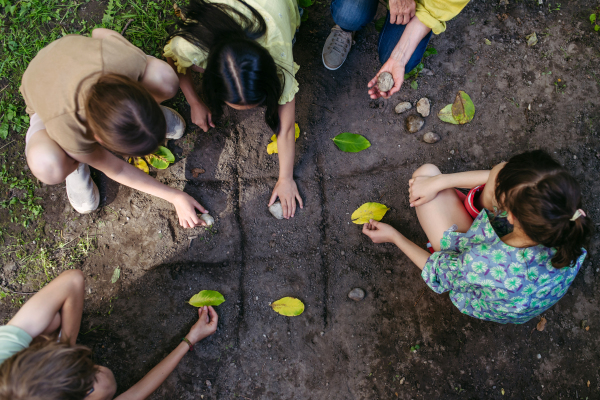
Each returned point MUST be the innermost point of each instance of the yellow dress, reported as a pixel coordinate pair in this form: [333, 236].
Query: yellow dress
[435, 13]
[282, 18]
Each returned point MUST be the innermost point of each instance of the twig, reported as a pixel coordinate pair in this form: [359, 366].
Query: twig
[2, 90]
[126, 26]
[315, 104]
[14, 292]
[6, 144]
[421, 295]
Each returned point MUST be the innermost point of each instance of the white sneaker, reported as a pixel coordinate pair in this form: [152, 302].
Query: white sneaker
[175, 123]
[336, 48]
[82, 191]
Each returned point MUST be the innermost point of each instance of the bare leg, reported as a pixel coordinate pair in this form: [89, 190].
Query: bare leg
[160, 79]
[47, 160]
[442, 212]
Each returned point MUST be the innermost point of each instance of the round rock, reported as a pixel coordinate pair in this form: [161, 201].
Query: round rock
[276, 210]
[385, 82]
[431, 137]
[423, 107]
[208, 219]
[401, 107]
[357, 294]
[414, 123]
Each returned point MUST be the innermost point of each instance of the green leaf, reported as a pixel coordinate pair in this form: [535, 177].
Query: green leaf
[305, 3]
[161, 158]
[593, 18]
[379, 24]
[445, 115]
[351, 142]
[463, 108]
[165, 153]
[415, 71]
[3, 130]
[116, 275]
[414, 85]
[288, 306]
[369, 211]
[597, 28]
[207, 298]
[488, 42]
[430, 51]
[304, 15]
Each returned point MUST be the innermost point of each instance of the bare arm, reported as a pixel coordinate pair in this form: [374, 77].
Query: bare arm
[286, 188]
[58, 305]
[423, 189]
[206, 326]
[126, 174]
[414, 32]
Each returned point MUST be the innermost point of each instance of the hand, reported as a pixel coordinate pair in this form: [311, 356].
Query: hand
[201, 116]
[380, 232]
[186, 207]
[422, 189]
[287, 191]
[206, 325]
[397, 70]
[402, 11]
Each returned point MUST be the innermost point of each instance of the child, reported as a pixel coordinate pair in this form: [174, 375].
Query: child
[244, 49]
[505, 268]
[88, 97]
[59, 369]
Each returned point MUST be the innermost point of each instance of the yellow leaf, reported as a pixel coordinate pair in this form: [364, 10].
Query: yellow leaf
[272, 147]
[139, 163]
[369, 211]
[288, 306]
[542, 324]
[502, 391]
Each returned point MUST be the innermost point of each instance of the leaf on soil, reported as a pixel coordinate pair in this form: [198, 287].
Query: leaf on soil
[304, 15]
[272, 147]
[463, 108]
[197, 171]
[445, 115]
[161, 159]
[288, 306]
[306, 3]
[588, 383]
[379, 24]
[116, 275]
[414, 85]
[488, 42]
[369, 211]
[593, 18]
[178, 12]
[541, 325]
[531, 39]
[139, 163]
[351, 142]
[3, 130]
[207, 298]
[430, 51]
[502, 391]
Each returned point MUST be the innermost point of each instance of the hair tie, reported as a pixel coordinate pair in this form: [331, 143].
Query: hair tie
[578, 213]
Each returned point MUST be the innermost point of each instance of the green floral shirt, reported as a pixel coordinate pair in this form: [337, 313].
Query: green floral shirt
[491, 280]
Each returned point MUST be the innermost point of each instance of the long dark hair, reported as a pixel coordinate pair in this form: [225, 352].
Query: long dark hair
[238, 69]
[543, 197]
[124, 116]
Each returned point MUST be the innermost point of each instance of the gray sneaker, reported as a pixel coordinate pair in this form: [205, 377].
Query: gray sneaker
[175, 123]
[82, 191]
[336, 49]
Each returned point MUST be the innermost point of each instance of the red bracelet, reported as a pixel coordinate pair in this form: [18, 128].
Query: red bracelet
[188, 342]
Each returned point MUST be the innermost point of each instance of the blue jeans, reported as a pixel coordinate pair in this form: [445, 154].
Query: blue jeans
[353, 15]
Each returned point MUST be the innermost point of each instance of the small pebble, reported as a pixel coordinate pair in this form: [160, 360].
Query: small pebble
[208, 219]
[424, 107]
[385, 82]
[388, 271]
[401, 107]
[356, 294]
[414, 123]
[431, 137]
[343, 253]
[208, 383]
[276, 210]
[539, 356]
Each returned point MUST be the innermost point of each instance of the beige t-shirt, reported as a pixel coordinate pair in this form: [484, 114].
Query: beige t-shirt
[51, 81]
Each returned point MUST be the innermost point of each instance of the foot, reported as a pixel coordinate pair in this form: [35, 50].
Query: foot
[82, 191]
[336, 49]
[175, 123]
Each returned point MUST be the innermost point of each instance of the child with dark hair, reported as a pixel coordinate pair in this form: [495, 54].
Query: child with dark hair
[35, 365]
[89, 97]
[244, 50]
[507, 251]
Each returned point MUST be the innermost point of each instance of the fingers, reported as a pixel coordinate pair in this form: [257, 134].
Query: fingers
[393, 17]
[405, 18]
[410, 182]
[200, 208]
[202, 314]
[293, 206]
[374, 80]
[210, 121]
[299, 200]
[214, 317]
[284, 207]
[273, 198]
[396, 88]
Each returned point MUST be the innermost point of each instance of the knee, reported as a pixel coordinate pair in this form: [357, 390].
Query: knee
[426, 170]
[76, 279]
[161, 79]
[352, 15]
[46, 167]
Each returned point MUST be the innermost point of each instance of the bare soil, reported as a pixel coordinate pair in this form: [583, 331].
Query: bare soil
[339, 348]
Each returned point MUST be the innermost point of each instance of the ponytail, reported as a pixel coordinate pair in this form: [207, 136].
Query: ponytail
[544, 198]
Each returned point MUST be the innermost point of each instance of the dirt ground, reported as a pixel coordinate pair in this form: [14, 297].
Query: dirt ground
[338, 348]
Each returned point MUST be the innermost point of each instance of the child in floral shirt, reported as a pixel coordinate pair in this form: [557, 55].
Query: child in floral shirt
[508, 266]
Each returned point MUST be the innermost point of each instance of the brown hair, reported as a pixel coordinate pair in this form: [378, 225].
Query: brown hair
[48, 370]
[543, 197]
[124, 116]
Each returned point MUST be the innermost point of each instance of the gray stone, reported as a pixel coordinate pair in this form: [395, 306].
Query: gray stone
[414, 123]
[356, 294]
[276, 210]
[401, 107]
[431, 137]
[208, 219]
[385, 82]
[423, 107]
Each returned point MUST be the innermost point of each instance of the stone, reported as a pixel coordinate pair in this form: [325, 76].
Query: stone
[414, 123]
[431, 137]
[401, 107]
[276, 210]
[385, 82]
[356, 294]
[388, 271]
[208, 219]
[423, 107]
[427, 72]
